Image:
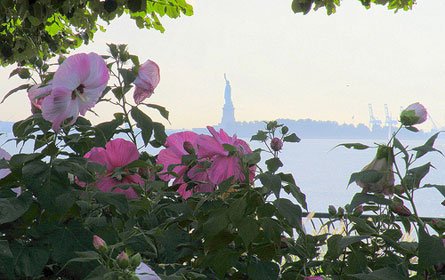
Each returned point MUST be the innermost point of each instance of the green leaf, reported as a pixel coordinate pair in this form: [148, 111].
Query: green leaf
[357, 146]
[260, 136]
[297, 194]
[361, 198]
[399, 146]
[366, 176]
[337, 243]
[440, 188]
[291, 138]
[22, 87]
[161, 109]
[302, 6]
[263, 270]
[431, 249]
[386, 273]
[252, 158]
[217, 222]
[273, 164]
[144, 122]
[116, 199]
[237, 210]
[31, 261]
[128, 75]
[415, 175]
[159, 131]
[427, 147]
[6, 259]
[271, 182]
[291, 212]
[12, 208]
[248, 230]
[412, 128]
[222, 261]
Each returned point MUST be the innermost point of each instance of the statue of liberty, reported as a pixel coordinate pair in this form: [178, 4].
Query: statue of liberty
[228, 92]
[228, 116]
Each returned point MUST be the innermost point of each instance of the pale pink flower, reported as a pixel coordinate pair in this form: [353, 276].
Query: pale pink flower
[117, 153]
[146, 81]
[223, 165]
[144, 272]
[37, 94]
[76, 87]
[178, 145]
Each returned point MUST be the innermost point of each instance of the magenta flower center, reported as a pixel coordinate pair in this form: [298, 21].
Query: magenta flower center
[78, 92]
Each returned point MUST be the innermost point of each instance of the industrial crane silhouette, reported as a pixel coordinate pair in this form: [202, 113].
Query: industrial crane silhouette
[373, 122]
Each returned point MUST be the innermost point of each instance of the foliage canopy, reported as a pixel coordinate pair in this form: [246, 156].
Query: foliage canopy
[305, 6]
[44, 28]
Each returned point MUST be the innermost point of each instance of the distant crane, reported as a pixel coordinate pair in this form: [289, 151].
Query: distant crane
[373, 121]
[389, 122]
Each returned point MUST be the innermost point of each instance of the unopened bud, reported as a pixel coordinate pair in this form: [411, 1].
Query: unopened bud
[399, 189]
[276, 144]
[400, 209]
[332, 210]
[358, 210]
[99, 243]
[136, 260]
[413, 114]
[340, 211]
[188, 147]
[122, 260]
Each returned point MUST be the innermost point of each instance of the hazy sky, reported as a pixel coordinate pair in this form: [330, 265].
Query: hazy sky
[283, 65]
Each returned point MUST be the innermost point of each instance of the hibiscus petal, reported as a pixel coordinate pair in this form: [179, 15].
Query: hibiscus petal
[140, 94]
[59, 106]
[209, 147]
[99, 155]
[99, 75]
[73, 71]
[223, 168]
[107, 184]
[146, 81]
[88, 100]
[121, 152]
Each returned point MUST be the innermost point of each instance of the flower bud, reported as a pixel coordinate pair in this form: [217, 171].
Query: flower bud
[332, 210]
[413, 114]
[276, 144]
[399, 189]
[382, 162]
[188, 147]
[122, 260]
[400, 209]
[340, 211]
[136, 260]
[314, 278]
[99, 243]
[358, 210]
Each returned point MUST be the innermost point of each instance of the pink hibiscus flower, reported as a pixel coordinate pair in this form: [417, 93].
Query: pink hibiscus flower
[146, 81]
[37, 94]
[76, 87]
[223, 165]
[178, 145]
[117, 153]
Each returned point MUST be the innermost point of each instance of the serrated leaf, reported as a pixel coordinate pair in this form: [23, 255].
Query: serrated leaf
[291, 138]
